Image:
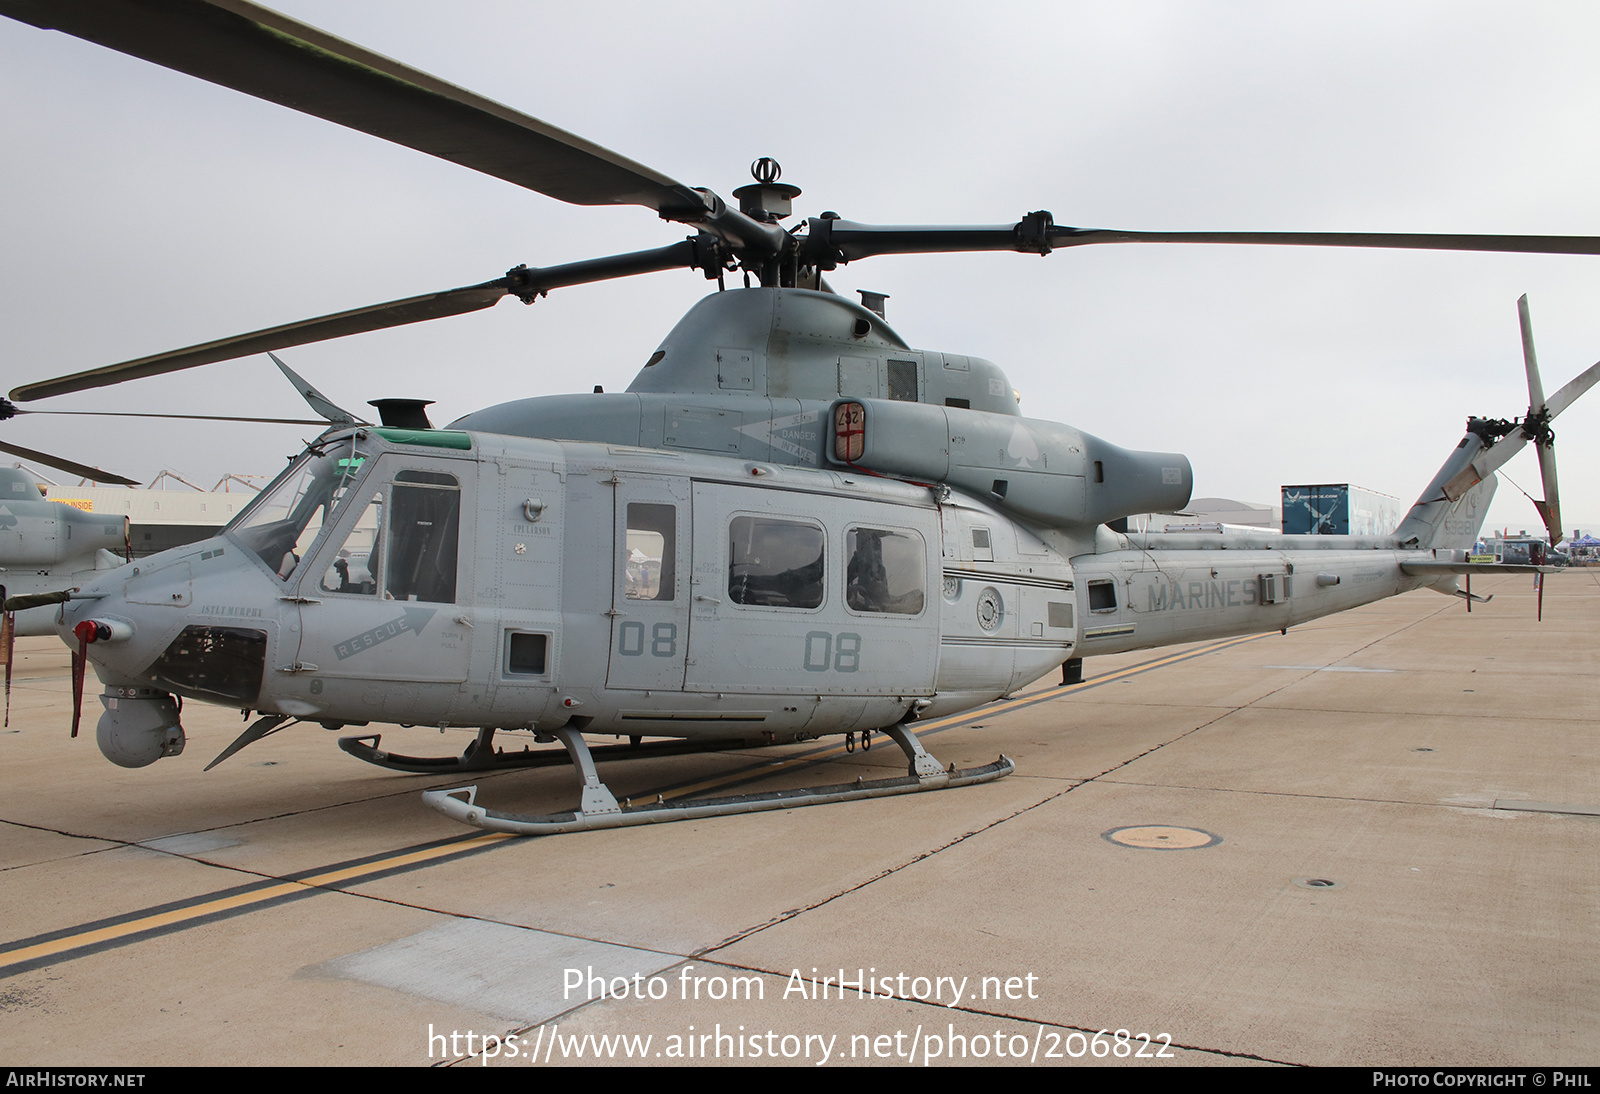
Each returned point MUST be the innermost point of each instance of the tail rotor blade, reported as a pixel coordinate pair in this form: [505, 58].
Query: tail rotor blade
[1496, 455]
[1538, 421]
[1529, 360]
[1567, 395]
[1550, 508]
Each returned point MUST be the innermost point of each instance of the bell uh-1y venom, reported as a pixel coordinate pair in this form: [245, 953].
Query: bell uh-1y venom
[791, 524]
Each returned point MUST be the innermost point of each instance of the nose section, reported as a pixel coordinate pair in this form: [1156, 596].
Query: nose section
[150, 644]
[145, 628]
[139, 724]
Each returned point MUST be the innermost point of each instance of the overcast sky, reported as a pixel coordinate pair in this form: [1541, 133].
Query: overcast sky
[141, 210]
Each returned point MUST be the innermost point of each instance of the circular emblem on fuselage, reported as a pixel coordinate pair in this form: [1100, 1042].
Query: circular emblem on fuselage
[991, 609]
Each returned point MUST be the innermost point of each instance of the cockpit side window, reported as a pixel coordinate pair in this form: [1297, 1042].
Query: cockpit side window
[356, 562]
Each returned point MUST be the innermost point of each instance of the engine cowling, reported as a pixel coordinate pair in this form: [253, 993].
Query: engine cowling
[1041, 471]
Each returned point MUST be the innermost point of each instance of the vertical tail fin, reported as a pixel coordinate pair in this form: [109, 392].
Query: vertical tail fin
[1451, 511]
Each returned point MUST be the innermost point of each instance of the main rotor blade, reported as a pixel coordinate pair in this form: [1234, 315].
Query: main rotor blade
[701, 251]
[181, 417]
[1571, 245]
[396, 313]
[330, 410]
[82, 470]
[846, 241]
[270, 56]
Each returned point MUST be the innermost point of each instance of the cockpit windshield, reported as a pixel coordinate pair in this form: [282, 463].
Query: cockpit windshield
[282, 524]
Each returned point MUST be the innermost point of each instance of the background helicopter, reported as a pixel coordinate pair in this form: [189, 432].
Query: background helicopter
[746, 237]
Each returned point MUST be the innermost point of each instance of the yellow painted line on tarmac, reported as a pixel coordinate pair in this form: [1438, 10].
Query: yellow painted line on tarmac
[97, 936]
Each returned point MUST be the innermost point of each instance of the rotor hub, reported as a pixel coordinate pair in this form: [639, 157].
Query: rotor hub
[767, 200]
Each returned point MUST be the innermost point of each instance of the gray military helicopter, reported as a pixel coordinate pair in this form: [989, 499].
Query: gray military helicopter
[45, 545]
[792, 524]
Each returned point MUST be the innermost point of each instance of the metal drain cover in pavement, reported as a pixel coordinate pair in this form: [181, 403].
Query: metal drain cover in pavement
[1161, 837]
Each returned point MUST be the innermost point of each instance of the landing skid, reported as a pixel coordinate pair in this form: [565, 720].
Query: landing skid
[481, 755]
[599, 809]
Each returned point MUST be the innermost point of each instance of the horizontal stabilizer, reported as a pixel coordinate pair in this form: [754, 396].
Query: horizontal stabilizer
[1428, 569]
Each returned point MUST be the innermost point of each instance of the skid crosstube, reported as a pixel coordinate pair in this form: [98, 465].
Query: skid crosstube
[481, 757]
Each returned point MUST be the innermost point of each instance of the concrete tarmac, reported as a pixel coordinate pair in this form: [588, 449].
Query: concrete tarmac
[1372, 841]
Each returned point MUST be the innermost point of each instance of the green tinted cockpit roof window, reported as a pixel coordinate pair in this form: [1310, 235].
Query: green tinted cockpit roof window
[431, 438]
